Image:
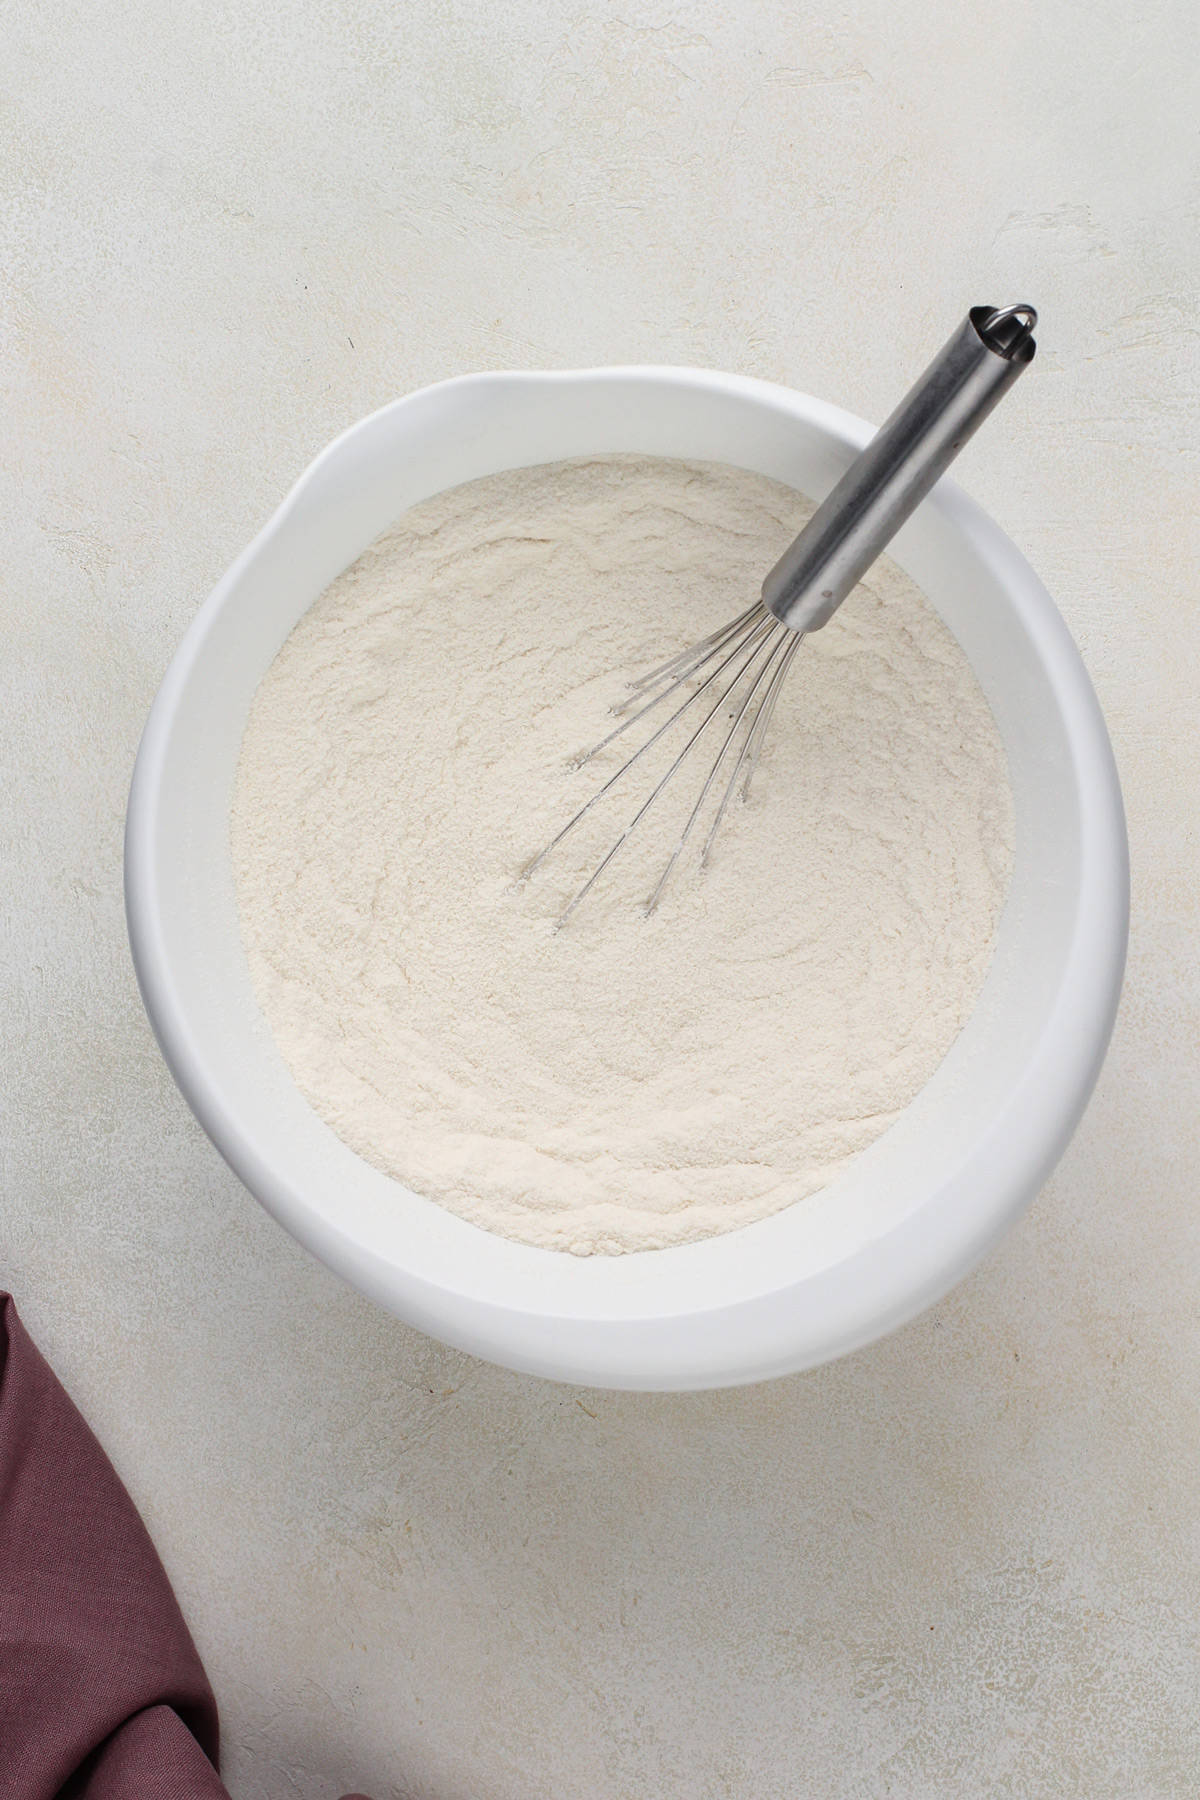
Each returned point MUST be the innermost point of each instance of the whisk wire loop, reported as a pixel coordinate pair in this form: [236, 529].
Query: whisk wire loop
[762, 628]
[751, 749]
[751, 655]
[685, 660]
[774, 645]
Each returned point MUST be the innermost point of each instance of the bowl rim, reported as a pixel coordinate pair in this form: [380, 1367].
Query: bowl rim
[897, 1275]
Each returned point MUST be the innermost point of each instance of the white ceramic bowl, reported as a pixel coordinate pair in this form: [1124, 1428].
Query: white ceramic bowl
[916, 1210]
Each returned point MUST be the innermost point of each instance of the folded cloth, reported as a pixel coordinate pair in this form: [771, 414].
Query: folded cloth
[102, 1693]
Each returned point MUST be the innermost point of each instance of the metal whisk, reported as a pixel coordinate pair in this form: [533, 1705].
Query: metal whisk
[733, 676]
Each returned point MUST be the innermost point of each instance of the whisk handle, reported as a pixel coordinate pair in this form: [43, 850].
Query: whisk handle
[908, 453]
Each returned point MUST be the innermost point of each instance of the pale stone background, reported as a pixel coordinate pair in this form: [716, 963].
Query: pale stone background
[963, 1563]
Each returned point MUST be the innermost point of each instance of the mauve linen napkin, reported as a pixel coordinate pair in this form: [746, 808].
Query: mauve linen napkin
[102, 1693]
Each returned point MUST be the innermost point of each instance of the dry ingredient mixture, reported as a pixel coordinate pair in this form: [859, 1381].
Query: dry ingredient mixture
[625, 1083]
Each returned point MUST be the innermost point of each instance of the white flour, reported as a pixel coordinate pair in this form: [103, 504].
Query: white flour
[627, 1082]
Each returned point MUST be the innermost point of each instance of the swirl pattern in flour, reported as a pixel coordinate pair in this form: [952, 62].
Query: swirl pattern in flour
[626, 1083]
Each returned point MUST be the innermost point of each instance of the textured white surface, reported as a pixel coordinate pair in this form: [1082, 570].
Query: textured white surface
[966, 1560]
